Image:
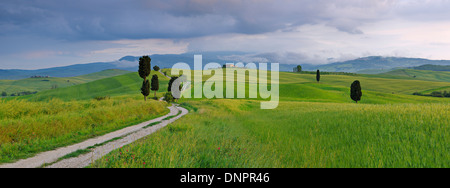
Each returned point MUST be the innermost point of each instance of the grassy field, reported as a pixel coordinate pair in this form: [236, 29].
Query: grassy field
[127, 84]
[315, 125]
[54, 118]
[236, 133]
[42, 84]
[27, 128]
[369, 83]
[412, 74]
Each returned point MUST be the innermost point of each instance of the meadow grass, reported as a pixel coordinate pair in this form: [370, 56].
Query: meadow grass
[442, 76]
[237, 134]
[27, 128]
[315, 125]
[123, 85]
[42, 84]
[369, 83]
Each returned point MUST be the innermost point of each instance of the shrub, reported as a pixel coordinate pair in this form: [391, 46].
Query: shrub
[101, 98]
[437, 94]
[168, 97]
[446, 94]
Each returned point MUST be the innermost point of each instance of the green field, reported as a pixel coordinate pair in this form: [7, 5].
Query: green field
[27, 128]
[411, 74]
[127, 84]
[42, 84]
[315, 125]
[237, 134]
[59, 117]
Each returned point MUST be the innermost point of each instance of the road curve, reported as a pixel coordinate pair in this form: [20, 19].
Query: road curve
[129, 134]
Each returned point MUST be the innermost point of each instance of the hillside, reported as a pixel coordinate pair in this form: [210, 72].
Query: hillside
[367, 65]
[67, 71]
[311, 116]
[411, 74]
[375, 64]
[335, 88]
[129, 63]
[42, 84]
[315, 125]
[433, 67]
[127, 84]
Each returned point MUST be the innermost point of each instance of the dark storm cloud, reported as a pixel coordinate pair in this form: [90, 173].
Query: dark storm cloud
[139, 19]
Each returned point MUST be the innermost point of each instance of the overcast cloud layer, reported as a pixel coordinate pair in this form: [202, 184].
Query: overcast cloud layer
[47, 33]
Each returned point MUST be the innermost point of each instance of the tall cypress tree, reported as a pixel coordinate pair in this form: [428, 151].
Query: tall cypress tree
[145, 89]
[318, 76]
[355, 91]
[144, 71]
[155, 84]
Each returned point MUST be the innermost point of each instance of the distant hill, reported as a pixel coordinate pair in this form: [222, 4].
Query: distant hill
[375, 64]
[433, 67]
[367, 65]
[129, 63]
[67, 71]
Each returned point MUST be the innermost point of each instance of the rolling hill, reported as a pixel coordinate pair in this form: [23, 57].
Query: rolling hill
[367, 65]
[42, 84]
[374, 64]
[433, 67]
[129, 63]
[413, 74]
[126, 84]
[315, 124]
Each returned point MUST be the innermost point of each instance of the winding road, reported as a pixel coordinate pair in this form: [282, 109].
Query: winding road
[126, 135]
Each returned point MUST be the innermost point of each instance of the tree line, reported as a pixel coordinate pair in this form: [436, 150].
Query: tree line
[435, 94]
[152, 84]
[23, 93]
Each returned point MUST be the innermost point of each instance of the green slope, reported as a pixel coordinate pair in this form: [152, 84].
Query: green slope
[336, 89]
[127, 84]
[370, 83]
[293, 87]
[238, 134]
[412, 74]
[42, 84]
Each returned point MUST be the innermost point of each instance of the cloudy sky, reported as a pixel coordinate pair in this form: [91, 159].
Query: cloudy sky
[47, 33]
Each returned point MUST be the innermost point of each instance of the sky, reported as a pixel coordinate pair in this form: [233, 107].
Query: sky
[48, 33]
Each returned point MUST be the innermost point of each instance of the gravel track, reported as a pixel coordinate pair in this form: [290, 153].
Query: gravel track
[129, 135]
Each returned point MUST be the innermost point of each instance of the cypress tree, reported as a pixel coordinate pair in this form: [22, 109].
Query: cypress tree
[355, 91]
[145, 89]
[318, 76]
[155, 84]
[144, 72]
